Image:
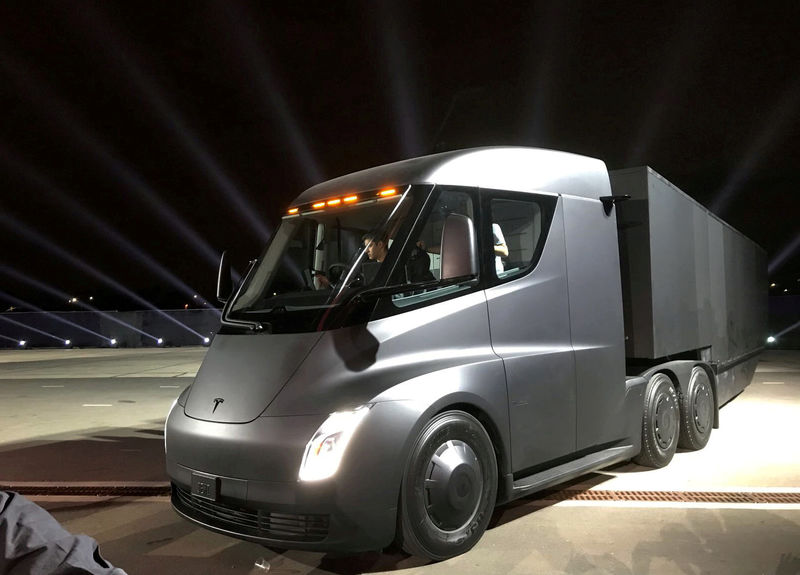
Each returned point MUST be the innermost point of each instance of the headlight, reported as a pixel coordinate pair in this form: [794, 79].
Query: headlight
[325, 450]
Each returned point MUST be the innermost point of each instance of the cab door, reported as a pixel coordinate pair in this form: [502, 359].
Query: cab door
[528, 305]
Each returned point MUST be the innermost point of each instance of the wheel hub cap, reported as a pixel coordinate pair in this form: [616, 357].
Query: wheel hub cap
[453, 485]
[666, 422]
[702, 410]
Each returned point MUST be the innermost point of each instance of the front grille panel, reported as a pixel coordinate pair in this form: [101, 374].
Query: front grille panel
[256, 523]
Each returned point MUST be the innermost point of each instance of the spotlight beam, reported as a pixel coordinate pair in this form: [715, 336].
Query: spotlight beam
[670, 76]
[45, 243]
[82, 213]
[783, 255]
[64, 296]
[400, 79]
[37, 330]
[60, 113]
[173, 120]
[24, 303]
[9, 338]
[784, 113]
[255, 57]
[788, 329]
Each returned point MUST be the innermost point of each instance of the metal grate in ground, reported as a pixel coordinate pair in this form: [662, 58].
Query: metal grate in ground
[674, 496]
[89, 491]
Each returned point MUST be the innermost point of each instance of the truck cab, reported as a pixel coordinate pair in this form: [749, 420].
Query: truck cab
[417, 343]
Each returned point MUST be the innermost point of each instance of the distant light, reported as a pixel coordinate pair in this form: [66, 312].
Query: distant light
[195, 296]
[786, 290]
[774, 284]
[113, 341]
[22, 343]
[91, 298]
[186, 306]
[67, 342]
[770, 339]
[73, 300]
[159, 341]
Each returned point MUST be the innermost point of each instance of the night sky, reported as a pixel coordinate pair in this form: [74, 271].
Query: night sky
[137, 137]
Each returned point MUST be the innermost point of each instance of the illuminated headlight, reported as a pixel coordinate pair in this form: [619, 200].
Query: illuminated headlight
[325, 450]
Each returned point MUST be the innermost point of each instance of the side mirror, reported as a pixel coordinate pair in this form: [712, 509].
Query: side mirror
[224, 279]
[459, 252]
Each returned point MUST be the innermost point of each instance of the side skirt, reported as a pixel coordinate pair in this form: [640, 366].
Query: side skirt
[566, 471]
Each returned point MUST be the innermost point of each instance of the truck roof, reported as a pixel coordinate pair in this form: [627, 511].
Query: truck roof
[503, 168]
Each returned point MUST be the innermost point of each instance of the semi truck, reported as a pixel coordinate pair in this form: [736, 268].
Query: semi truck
[422, 341]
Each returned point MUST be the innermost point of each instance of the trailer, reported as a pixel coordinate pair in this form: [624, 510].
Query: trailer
[691, 283]
[424, 340]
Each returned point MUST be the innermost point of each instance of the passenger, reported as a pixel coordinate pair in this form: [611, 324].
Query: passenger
[500, 248]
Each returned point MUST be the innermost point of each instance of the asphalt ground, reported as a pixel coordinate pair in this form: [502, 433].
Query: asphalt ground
[83, 418]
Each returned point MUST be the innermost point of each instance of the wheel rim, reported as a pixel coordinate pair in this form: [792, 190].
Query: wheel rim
[666, 422]
[702, 408]
[453, 485]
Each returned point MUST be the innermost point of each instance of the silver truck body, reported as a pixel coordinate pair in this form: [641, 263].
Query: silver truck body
[537, 359]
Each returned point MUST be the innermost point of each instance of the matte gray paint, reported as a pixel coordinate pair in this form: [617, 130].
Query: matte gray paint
[510, 352]
[690, 280]
[246, 372]
[530, 330]
[596, 324]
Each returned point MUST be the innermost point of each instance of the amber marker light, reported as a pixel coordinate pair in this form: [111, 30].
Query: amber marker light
[335, 202]
[386, 193]
[350, 199]
[293, 210]
[318, 205]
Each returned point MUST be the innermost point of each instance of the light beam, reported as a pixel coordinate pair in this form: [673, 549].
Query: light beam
[45, 243]
[783, 255]
[60, 113]
[203, 160]
[34, 329]
[62, 295]
[24, 303]
[255, 57]
[784, 113]
[80, 212]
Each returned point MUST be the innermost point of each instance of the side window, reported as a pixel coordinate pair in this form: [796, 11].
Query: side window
[516, 235]
[423, 262]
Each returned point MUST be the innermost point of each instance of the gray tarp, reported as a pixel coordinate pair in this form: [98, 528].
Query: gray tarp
[33, 543]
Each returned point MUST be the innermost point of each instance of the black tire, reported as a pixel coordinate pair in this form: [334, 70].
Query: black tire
[697, 411]
[660, 424]
[449, 488]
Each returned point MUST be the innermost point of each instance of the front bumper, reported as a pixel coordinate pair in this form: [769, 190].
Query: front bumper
[252, 491]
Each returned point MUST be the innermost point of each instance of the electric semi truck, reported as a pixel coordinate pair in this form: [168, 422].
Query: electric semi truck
[422, 341]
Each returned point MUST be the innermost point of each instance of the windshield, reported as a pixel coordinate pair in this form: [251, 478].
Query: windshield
[321, 254]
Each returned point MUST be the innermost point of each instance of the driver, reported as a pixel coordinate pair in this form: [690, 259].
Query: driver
[376, 246]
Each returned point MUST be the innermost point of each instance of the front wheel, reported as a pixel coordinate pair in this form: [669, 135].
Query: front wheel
[449, 487]
[660, 423]
[697, 411]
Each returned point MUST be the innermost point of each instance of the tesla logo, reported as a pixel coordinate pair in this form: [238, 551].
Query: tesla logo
[217, 401]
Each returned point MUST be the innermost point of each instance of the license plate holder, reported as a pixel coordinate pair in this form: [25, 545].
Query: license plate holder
[205, 486]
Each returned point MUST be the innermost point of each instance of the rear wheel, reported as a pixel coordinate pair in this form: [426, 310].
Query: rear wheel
[697, 411]
[660, 424]
[449, 487]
